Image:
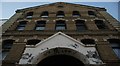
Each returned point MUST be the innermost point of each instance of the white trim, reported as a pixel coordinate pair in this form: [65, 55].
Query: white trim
[41, 20]
[79, 19]
[24, 20]
[98, 19]
[59, 33]
[110, 37]
[60, 19]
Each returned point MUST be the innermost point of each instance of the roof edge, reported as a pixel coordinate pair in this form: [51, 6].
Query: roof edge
[22, 10]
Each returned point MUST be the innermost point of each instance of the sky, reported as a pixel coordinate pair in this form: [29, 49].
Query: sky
[8, 8]
[60, 0]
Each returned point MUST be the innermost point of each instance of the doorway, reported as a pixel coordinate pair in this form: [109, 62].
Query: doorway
[60, 60]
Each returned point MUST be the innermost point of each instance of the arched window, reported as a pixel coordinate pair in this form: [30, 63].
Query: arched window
[29, 15]
[100, 24]
[80, 25]
[60, 25]
[33, 41]
[115, 44]
[6, 46]
[60, 14]
[76, 14]
[40, 25]
[21, 25]
[91, 13]
[45, 14]
[88, 41]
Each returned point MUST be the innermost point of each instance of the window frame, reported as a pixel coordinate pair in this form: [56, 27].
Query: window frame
[21, 26]
[60, 14]
[58, 25]
[90, 43]
[92, 13]
[29, 15]
[77, 14]
[80, 24]
[115, 45]
[45, 14]
[100, 24]
[5, 51]
[34, 41]
[40, 25]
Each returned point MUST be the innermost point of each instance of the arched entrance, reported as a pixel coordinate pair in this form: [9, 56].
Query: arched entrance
[61, 56]
[60, 60]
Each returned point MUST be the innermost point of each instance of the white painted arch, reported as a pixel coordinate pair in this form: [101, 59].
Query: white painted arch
[64, 43]
[62, 51]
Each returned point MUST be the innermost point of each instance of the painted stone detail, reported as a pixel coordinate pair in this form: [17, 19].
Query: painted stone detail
[94, 57]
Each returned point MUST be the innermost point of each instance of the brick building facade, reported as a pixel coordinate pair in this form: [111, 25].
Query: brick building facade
[87, 26]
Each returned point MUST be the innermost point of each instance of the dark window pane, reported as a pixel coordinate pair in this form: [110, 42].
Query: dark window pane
[115, 44]
[60, 28]
[45, 14]
[100, 24]
[60, 25]
[40, 28]
[21, 25]
[29, 15]
[4, 54]
[76, 14]
[60, 14]
[91, 13]
[88, 41]
[20, 28]
[33, 42]
[80, 25]
[6, 46]
[40, 25]
[60, 6]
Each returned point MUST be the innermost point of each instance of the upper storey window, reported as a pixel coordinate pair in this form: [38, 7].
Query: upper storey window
[115, 44]
[45, 14]
[29, 15]
[100, 24]
[88, 41]
[80, 25]
[6, 46]
[60, 14]
[33, 42]
[91, 13]
[60, 6]
[60, 25]
[40, 25]
[76, 14]
[21, 25]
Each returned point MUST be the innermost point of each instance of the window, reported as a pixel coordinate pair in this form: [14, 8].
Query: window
[76, 14]
[60, 25]
[60, 14]
[100, 24]
[40, 25]
[115, 44]
[88, 41]
[33, 42]
[45, 14]
[6, 46]
[29, 15]
[80, 25]
[21, 25]
[60, 6]
[91, 13]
